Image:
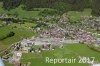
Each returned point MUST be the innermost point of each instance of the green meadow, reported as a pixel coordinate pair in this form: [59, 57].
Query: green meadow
[21, 31]
[75, 15]
[20, 12]
[69, 51]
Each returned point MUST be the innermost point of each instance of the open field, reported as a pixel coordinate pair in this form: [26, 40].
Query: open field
[69, 51]
[20, 12]
[75, 15]
[21, 31]
[39, 59]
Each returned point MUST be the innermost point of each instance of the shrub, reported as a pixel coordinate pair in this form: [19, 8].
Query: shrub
[6, 35]
[11, 34]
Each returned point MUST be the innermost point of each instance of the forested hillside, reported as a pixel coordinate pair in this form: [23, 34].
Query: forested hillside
[62, 5]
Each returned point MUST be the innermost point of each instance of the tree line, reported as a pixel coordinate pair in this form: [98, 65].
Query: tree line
[61, 5]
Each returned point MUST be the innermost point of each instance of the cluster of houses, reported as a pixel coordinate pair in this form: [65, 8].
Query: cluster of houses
[54, 36]
[86, 37]
[91, 22]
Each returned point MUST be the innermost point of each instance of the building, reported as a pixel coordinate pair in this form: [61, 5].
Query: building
[17, 56]
[96, 64]
[26, 45]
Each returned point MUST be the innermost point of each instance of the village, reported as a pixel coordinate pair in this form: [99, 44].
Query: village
[49, 32]
[55, 35]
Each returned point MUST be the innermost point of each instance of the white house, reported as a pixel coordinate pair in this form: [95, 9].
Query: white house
[17, 56]
[96, 64]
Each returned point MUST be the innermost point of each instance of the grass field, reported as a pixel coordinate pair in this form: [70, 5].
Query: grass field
[69, 51]
[21, 31]
[75, 15]
[93, 30]
[38, 59]
[23, 13]
[20, 12]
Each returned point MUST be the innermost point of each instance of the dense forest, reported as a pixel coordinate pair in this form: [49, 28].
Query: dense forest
[60, 5]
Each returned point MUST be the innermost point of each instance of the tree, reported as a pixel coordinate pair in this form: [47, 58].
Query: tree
[11, 34]
[61, 7]
[30, 4]
[10, 4]
[88, 3]
[77, 4]
[96, 7]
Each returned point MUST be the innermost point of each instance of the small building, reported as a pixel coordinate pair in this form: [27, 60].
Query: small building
[26, 49]
[16, 58]
[26, 45]
[98, 40]
[95, 64]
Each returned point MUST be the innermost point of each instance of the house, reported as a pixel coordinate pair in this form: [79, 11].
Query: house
[26, 49]
[17, 56]
[98, 40]
[26, 45]
[95, 64]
